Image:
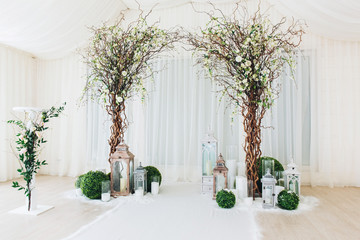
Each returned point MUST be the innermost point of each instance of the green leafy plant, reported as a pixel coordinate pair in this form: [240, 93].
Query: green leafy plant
[91, 184]
[29, 140]
[288, 200]
[78, 181]
[225, 199]
[151, 172]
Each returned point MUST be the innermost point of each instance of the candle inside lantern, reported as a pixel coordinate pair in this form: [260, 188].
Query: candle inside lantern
[122, 184]
[155, 188]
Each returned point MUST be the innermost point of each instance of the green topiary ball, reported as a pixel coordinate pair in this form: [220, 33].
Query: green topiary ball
[151, 172]
[288, 200]
[78, 181]
[91, 184]
[225, 199]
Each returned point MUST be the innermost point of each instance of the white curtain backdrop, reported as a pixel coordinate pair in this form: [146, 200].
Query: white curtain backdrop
[314, 120]
[17, 88]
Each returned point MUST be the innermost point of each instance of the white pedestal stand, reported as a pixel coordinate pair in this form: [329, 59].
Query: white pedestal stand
[35, 209]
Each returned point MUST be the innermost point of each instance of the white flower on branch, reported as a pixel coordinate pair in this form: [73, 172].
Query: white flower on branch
[22, 151]
[238, 59]
[124, 73]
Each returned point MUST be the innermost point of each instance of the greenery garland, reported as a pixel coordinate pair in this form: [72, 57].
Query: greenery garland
[29, 140]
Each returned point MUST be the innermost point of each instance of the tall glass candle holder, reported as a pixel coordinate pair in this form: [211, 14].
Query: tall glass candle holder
[105, 191]
[155, 183]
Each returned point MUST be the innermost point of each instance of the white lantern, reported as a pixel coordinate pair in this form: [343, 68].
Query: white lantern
[268, 190]
[140, 179]
[208, 155]
[292, 178]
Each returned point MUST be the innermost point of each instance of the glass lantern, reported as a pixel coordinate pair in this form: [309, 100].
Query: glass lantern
[268, 164]
[220, 173]
[140, 176]
[292, 178]
[208, 159]
[122, 168]
[268, 190]
[105, 191]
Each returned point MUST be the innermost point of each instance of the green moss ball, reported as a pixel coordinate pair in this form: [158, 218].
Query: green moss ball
[91, 184]
[151, 172]
[288, 200]
[78, 181]
[225, 199]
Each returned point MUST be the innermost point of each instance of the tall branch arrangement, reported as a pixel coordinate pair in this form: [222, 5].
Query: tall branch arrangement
[119, 62]
[29, 140]
[244, 56]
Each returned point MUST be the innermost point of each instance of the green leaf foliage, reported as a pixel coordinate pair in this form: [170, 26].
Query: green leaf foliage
[225, 199]
[288, 200]
[91, 184]
[151, 172]
[78, 181]
[28, 141]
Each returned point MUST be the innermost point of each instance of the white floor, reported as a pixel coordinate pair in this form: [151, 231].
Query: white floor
[178, 212]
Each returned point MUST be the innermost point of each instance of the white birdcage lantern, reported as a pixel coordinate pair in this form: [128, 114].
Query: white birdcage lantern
[268, 190]
[140, 179]
[208, 159]
[292, 178]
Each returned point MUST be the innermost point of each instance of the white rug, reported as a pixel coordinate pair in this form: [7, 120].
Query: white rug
[178, 212]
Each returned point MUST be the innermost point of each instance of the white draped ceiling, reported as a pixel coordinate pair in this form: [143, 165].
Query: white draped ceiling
[52, 28]
[325, 120]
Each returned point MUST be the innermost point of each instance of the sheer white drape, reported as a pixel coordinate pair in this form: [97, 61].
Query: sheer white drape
[17, 78]
[167, 129]
[63, 81]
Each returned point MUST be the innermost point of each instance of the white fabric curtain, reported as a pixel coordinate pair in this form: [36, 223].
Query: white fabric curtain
[166, 130]
[17, 78]
[60, 81]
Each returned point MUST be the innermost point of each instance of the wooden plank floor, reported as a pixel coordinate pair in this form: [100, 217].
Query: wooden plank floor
[336, 217]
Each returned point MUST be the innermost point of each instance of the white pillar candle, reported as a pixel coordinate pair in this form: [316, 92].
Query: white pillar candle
[231, 165]
[278, 189]
[154, 188]
[105, 197]
[241, 186]
[139, 192]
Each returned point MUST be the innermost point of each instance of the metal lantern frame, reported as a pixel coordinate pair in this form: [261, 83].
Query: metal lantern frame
[268, 197]
[292, 178]
[209, 146]
[140, 178]
[120, 156]
[220, 169]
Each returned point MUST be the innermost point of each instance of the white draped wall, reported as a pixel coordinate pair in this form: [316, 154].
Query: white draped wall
[17, 88]
[314, 120]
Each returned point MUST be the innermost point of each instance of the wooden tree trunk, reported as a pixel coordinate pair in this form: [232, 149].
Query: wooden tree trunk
[253, 115]
[119, 125]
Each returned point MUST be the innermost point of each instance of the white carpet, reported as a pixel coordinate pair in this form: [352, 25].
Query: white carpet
[178, 212]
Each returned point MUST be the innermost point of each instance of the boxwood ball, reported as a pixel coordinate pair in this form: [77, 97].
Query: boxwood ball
[225, 199]
[91, 184]
[288, 200]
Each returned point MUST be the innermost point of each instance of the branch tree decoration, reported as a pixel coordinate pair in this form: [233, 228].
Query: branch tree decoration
[244, 56]
[29, 140]
[119, 61]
